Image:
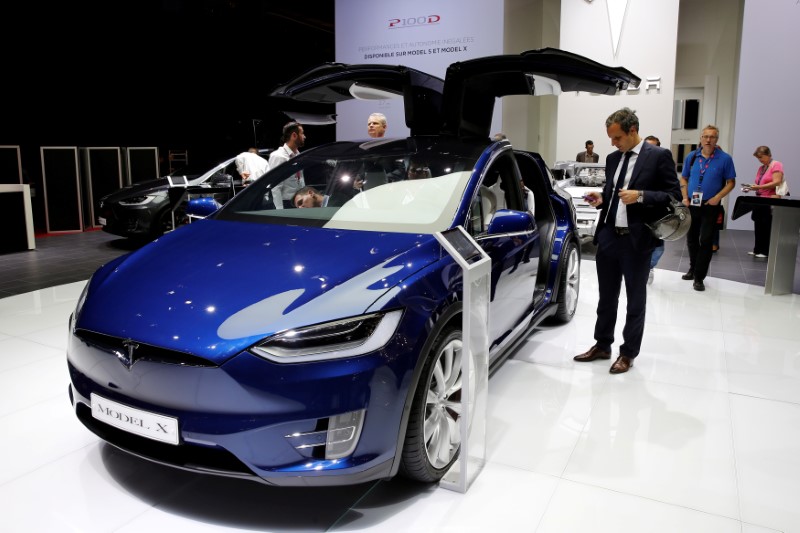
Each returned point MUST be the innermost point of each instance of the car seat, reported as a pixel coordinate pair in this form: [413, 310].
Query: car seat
[499, 194]
[488, 204]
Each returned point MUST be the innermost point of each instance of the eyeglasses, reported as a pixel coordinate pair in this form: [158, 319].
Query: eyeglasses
[709, 137]
[417, 170]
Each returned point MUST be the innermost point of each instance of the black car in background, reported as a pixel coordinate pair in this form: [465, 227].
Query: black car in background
[147, 210]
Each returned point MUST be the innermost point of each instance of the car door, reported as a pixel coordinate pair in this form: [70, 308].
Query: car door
[338, 82]
[462, 104]
[515, 256]
[471, 87]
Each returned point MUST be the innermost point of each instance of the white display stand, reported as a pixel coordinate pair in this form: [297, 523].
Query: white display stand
[783, 239]
[782, 250]
[476, 268]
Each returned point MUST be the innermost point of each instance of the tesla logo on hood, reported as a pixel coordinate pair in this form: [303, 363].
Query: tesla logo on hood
[128, 357]
[412, 22]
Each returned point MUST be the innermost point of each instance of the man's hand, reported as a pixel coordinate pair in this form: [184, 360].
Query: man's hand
[628, 196]
[593, 198]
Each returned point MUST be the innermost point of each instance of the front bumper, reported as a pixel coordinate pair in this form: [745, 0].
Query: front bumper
[250, 418]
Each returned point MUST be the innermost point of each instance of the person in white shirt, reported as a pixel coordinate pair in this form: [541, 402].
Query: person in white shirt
[251, 166]
[293, 139]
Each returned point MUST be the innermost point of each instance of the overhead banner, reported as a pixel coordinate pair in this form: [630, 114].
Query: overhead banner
[425, 35]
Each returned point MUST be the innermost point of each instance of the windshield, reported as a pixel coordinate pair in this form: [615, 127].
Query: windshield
[223, 171]
[395, 186]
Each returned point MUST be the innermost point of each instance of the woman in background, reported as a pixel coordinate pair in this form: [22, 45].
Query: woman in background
[768, 176]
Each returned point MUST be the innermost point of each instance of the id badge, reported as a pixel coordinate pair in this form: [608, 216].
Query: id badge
[697, 198]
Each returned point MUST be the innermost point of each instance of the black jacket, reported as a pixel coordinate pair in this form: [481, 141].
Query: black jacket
[655, 174]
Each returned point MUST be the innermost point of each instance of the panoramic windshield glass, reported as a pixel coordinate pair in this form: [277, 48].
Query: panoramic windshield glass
[395, 186]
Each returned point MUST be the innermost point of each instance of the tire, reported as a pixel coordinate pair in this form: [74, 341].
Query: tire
[433, 439]
[569, 285]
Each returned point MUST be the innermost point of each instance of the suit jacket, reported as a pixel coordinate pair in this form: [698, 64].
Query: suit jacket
[654, 173]
[583, 158]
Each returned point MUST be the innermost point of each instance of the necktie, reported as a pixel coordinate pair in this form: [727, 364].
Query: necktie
[612, 209]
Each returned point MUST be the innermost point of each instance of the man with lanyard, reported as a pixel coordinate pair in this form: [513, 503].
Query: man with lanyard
[293, 139]
[708, 176]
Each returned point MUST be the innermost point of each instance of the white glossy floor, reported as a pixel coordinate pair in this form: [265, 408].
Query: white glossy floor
[702, 435]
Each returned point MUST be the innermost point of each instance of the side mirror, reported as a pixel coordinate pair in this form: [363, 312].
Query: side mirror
[510, 221]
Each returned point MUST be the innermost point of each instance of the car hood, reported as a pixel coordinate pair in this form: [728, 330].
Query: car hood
[137, 189]
[214, 288]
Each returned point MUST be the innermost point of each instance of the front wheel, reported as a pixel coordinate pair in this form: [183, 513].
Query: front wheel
[164, 222]
[432, 438]
[569, 284]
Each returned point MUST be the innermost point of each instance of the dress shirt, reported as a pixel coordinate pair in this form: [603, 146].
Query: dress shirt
[621, 220]
[286, 189]
[252, 164]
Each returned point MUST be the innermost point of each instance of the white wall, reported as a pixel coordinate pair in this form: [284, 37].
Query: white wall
[766, 103]
[647, 47]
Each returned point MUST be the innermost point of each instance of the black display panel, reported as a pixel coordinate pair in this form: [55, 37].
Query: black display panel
[142, 164]
[691, 114]
[465, 247]
[105, 177]
[12, 218]
[9, 165]
[62, 189]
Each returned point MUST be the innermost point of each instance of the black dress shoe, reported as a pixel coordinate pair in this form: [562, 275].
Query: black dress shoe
[699, 286]
[593, 353]
[621, 365]
[688, 275]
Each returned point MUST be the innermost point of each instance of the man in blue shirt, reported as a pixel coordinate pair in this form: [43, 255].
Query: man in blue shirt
[708, 176]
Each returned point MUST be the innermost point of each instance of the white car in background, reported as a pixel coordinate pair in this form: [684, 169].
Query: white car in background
[579, 179]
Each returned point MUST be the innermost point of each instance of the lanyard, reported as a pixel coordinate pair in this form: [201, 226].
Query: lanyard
[704, 168]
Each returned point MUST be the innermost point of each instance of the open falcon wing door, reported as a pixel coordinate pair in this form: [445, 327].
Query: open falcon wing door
[470, 87]
[337, 82]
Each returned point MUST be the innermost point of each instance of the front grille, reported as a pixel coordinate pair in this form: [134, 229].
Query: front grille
[144, 352]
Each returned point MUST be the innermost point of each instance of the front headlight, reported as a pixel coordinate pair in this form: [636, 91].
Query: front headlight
[347, 337]
[138, 200]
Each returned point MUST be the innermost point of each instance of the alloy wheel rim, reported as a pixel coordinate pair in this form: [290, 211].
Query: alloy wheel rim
[573, 280]
[443, 406]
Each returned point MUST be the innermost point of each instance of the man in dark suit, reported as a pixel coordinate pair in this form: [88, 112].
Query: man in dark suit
[641, 180]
